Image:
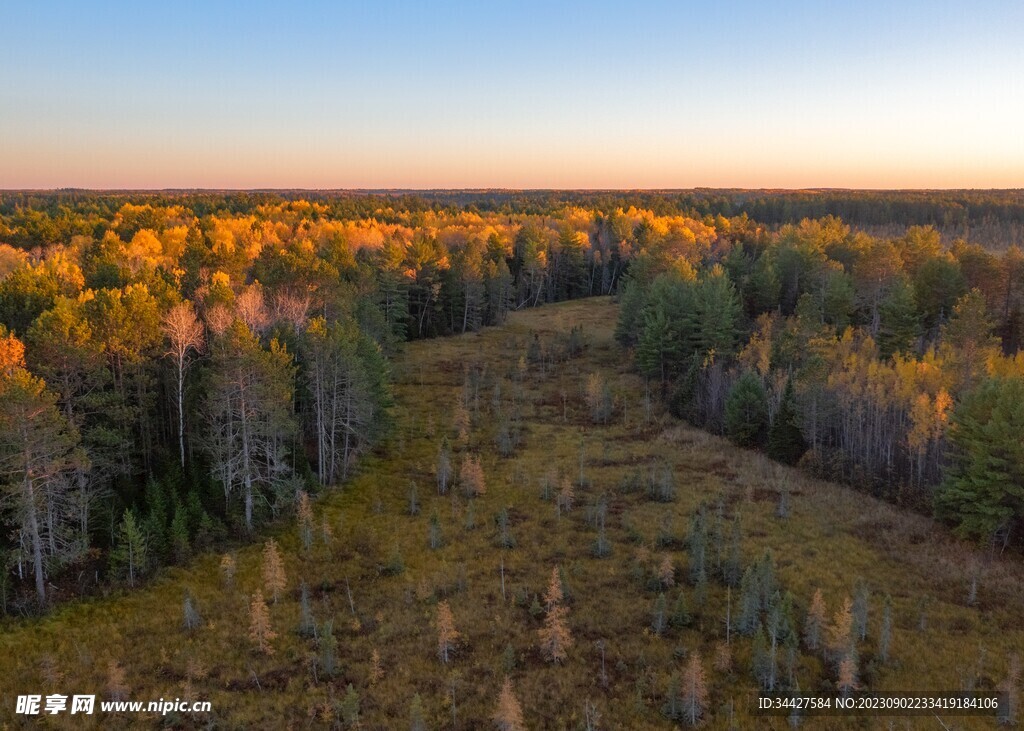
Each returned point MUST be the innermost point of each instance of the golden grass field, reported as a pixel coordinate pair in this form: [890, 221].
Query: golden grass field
[833, 537]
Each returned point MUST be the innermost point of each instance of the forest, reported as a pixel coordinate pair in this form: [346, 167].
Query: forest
[179, 369]
[346, 459]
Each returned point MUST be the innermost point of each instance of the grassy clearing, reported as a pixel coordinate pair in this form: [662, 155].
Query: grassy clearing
[832, 538]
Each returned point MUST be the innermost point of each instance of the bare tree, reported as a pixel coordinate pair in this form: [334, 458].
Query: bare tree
[184, 332]
[38, 456]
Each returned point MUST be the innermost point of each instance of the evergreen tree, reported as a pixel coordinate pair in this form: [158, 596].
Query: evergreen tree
[900, 326]
[983, 493]
[130, 553]
[785, 440]
[417, 719]
[328, 645]
[746, 412]
[349, 709]
[750, 603]
[762, 664]
[180, 541]
[307, 627]
[680, 614]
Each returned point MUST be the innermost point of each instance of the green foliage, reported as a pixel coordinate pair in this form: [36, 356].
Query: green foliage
[130, 555]
[785, 440]
[983, 494]
[899, 320]
[746, 412]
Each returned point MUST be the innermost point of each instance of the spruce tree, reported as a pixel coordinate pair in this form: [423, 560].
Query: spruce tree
[130, 554]
[746, 412]
[983, 493]
[899, 324]
[785, 440]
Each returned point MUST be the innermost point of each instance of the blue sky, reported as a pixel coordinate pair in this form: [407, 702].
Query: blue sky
[593, 95]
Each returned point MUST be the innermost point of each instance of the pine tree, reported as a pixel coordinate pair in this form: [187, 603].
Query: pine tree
[698, 547]
[274, 580]
[680, 613]
[508, 716]
[746, 412]
[694, 691]
[815, 623]
[983, 492]
[761, 660]
[260, 632]
[750, 603]
[130, 553]
[899, 322]
[349, 707]
[860, 611]
[555, 637]
[417, 720]
[447, 635]
[328, 645]
[785, 440]
[180, 541]
[732, 564]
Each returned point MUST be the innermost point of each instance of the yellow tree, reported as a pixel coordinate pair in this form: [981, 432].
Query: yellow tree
[815, 623]
[840, 634]
[472, 477]
[555, 637]
[508, 716]
[260, 632]
[695, 690]
[184, 334]
[274, 580]
[447, 635]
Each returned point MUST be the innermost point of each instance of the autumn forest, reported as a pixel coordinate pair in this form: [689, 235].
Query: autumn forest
[451, 459]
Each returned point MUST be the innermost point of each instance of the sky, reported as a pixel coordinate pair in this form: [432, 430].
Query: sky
[387, 94]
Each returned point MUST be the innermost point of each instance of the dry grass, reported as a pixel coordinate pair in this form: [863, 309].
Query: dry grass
[833, 537]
